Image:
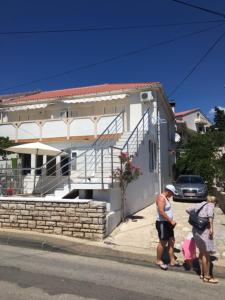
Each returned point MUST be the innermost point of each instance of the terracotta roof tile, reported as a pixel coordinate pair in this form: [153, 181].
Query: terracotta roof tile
[111, 87]
[186, 112]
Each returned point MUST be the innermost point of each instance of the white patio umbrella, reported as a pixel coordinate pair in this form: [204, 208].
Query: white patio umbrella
[36, 148]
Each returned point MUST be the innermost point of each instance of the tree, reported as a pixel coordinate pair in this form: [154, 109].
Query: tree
[221, 171]
[200, 154]
[219, 119]
[198, 157]
[125, 175]
[4, 143]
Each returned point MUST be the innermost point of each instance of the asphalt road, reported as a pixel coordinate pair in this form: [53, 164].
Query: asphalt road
[35, 274]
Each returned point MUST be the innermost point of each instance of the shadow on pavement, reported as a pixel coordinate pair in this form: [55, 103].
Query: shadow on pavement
[134, 218]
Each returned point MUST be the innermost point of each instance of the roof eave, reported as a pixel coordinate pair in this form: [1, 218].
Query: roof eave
[59, 98]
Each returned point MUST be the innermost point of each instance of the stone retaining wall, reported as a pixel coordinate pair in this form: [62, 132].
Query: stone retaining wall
[75, 219]
[220, 197]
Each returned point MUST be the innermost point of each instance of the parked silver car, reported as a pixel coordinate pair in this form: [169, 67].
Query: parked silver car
[190, 187]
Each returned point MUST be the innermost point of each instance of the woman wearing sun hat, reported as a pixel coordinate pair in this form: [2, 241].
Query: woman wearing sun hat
[165, 226]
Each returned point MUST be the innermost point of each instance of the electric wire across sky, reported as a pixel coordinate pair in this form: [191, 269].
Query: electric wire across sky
[115, 58]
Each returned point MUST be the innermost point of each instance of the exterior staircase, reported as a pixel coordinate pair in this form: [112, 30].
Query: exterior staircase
[98, 178]
[95, 167]
[92, 169]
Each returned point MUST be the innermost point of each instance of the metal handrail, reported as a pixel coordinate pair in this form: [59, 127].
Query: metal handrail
[92, 159]
[99, 143]
[89, 148]
[44, 166]
[92, 147]
[136, 128]
[134, 135]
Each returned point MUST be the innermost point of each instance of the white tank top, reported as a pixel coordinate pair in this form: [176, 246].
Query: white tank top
[167, 209]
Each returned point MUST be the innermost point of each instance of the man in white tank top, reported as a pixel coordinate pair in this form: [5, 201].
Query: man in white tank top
[165, 226]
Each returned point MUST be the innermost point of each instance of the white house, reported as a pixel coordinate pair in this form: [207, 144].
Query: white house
[194, 119]
[93, 124]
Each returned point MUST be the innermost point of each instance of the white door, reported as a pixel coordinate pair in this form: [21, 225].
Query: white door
[135, 115]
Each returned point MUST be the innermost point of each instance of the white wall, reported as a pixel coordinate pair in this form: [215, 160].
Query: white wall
[190, 120]
[142, 192]
[28, 130]
[54, 129]
[112, 198]
[8, 130]
[81, 127]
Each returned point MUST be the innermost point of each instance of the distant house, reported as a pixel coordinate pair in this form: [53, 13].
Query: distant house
[193, 119]
[93, 125]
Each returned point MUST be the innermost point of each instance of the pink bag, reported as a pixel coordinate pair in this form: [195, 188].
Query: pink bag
[189, 248]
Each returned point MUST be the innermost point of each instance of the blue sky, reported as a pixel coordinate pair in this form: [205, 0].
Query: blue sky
[25, 58]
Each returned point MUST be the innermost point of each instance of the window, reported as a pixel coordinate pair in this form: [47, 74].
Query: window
[26, 164]
[152, 156]
[39, 164]
[200, 128]
[64, 165]
[190, 179]
[64, 114]
[51, 166]
[108, 110]
[73, 160]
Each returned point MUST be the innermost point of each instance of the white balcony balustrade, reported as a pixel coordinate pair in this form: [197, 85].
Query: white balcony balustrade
[62, 129]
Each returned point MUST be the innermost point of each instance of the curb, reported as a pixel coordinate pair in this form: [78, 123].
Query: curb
[54, 244]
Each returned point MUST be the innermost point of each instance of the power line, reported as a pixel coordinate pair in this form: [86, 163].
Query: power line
[201, 8]
[114, 58]
[197, 64]
[45, 31]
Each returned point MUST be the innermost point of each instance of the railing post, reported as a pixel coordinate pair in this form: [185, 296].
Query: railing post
[41, 182]
[69, 183]
[95, 161]
[143, 125]
[137, 139]
[102, 168]
[85, 167]
[112, 165]
[124, 121]
[108, 138]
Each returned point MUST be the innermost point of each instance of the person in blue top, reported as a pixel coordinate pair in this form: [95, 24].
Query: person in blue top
[165, 224]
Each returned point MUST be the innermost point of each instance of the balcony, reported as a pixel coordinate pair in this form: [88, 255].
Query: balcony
[201, 120]
[78, 128]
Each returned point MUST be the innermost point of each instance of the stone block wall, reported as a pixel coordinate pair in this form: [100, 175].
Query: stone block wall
[86, 219]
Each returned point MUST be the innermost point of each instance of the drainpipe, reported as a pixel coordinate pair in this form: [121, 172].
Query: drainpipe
[159, 146]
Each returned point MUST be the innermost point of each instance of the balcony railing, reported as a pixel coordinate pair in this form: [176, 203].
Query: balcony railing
[67, 128]
[201, 120]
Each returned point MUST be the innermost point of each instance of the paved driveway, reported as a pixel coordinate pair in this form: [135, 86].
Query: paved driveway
[139, 234]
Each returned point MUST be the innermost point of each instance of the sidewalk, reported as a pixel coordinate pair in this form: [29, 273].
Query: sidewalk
[132, 242]
[140, 236]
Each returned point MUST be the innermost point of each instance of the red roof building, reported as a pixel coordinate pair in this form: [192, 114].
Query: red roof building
[194, 119]
[79, 91]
